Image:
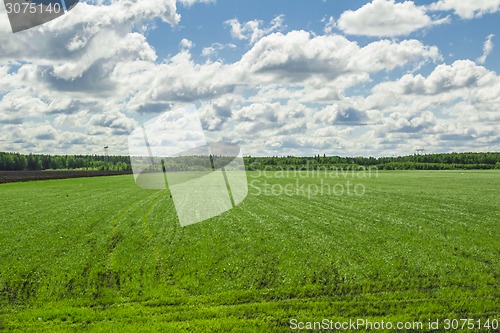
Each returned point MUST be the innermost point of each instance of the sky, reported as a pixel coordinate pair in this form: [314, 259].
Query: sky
[281, 77]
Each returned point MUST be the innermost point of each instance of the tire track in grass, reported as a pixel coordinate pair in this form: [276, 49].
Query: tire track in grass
[280, 211]
[394, 231]
[97, 264]
[280, 238]
[322, 208]
[417, 289]
[115, 235]
[278, 311]
[159, 267]
[110, 275]
[48, 244]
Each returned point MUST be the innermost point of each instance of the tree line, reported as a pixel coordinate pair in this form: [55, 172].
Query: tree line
[32, 162]
[447, 161]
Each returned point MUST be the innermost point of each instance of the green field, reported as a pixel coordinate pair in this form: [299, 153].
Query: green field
[102, 255]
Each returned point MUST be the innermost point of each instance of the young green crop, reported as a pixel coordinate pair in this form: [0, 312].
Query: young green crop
[103, 255]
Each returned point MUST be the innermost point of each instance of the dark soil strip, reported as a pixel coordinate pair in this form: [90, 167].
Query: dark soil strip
[27, 176]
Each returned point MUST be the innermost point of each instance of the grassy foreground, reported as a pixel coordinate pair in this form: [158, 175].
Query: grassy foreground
[102, 255]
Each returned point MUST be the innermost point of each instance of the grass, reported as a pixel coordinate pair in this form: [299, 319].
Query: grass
[101, 255]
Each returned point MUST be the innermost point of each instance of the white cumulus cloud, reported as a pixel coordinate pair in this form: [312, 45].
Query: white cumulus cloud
[487, 49]
[254, 30]
[386, 18]
[468, 9]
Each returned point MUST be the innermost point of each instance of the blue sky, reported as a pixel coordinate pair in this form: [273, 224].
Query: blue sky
[204, 25]
[296, 77]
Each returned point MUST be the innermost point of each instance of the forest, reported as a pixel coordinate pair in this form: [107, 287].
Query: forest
[447, 161]
[32, 162]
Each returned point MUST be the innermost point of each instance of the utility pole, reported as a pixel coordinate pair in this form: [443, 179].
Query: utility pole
[106, 157]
